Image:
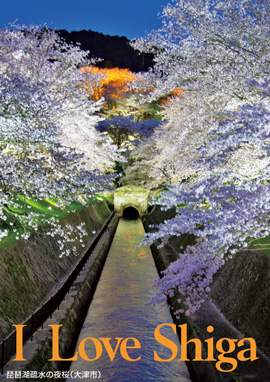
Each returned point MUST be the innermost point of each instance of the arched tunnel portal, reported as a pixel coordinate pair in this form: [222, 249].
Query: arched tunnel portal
[130, 212]
[131, 201]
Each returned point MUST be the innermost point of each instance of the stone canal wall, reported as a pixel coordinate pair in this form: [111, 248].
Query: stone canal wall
[241, 291]
[29, 270]
[72, 318]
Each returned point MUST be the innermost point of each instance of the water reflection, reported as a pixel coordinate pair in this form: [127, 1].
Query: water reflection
[118, 310]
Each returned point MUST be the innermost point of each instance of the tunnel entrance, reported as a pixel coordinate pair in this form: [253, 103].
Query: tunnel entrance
[130, 213]
[131, 196]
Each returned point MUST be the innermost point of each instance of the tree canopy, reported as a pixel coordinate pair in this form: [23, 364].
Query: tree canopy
[213, 152]
[49, 145]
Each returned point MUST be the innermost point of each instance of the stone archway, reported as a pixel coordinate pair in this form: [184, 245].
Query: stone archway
[131, 196]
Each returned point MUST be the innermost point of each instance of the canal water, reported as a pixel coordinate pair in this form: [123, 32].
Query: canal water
[118, 310]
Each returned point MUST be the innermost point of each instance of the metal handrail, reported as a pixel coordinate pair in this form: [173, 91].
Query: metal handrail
[36, 319]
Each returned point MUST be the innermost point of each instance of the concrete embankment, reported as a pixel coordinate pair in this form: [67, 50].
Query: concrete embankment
[30, 270]
[239, 308]
[70, 316]
[199, 371]
[241, 290]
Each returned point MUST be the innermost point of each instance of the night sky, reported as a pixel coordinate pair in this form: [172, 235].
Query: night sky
[114, 17]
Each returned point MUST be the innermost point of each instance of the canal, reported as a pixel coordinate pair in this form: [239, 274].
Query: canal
[118, 310]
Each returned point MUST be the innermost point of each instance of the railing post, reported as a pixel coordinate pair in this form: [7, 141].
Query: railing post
[3, 355]
[32, 327]
[51, 311]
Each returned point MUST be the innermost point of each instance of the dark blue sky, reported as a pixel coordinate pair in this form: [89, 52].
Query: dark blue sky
[130, 18]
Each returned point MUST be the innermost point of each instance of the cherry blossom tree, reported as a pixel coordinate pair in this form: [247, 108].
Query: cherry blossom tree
[126, 131]
[218, 135]
[168, 156]
[223, 212]
[47, 123]
[218, 43]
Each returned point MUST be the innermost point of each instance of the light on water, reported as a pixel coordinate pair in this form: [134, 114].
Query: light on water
[118, 310]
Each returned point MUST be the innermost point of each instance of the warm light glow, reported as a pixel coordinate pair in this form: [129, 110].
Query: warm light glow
[177, 92]
[113, 84]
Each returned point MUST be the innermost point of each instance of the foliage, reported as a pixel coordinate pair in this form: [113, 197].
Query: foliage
[113, 83]
[217, 43]
[214, 149]
[124, 130]
[124, 93]
[47, 125]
